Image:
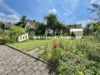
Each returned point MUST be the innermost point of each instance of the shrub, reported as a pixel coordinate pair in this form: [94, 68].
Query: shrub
[73, 34]
[71, 63]
[7, 39]
[15, 32]
[4, 39]
[1, 31]
[55, 58]
[31, 32]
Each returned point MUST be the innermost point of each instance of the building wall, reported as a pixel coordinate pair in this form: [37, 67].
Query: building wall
[78, 32]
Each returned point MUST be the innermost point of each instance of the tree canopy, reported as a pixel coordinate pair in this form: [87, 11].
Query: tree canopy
[2, 26]
[53, 23]
[22, 22]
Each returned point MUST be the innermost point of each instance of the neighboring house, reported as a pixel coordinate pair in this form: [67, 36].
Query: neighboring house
[50, 31]
[77, 31]
[30, 23]
[8, 24]
[75, 26]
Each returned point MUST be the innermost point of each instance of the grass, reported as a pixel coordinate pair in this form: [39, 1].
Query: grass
[30, 44]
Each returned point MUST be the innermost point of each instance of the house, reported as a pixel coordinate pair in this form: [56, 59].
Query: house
[75, 26]
[77, 31]
[30, 23]
[8, 24]
[50, 31]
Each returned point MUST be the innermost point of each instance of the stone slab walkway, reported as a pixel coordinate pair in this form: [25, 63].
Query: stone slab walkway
[13, 62]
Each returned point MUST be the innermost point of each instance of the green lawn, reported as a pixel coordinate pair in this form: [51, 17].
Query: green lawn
[30, 44]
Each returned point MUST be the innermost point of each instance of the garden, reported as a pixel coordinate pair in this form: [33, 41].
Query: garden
[68, 56]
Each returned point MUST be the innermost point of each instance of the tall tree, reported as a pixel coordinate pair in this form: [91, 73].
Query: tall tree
[22, 22]
[96, 10]
[2, 26]
[40, 28]
[61, 28]
[51, 22]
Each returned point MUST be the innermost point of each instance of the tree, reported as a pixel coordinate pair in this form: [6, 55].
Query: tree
[51, 22]
[22, 22]
[2, 26]
[95, 9]
[61, 28]
[40, 28]
[95, 26]
[87, 30]
[98, 33]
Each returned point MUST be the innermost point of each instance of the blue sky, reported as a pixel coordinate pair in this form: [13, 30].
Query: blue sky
[68, 11]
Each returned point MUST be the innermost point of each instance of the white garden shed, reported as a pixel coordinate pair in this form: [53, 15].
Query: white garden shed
[78, 32]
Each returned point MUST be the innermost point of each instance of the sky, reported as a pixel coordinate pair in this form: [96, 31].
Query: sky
[67, 11]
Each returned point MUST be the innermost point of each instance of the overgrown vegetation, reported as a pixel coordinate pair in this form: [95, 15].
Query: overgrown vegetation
[74, 57]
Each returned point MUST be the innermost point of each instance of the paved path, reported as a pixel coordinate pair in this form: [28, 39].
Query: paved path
[13, 62]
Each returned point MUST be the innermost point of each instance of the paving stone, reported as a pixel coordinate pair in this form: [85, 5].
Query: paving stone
[21, 73]
[13, 62]
[2, 69]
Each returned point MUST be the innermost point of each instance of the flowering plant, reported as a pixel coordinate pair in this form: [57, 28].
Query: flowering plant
[54, 45]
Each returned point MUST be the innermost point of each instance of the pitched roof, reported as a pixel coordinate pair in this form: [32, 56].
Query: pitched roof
[8, 23]
[32, 22]
[75, 26]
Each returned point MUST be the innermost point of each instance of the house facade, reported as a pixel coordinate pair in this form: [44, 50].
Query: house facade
[77, 31]
[30, 23]
[8, 24]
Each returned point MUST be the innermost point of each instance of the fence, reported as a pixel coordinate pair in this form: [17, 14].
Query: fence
[23, 37]
[56, 37]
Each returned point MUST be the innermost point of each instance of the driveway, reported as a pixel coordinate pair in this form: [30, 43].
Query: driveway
[13, 62]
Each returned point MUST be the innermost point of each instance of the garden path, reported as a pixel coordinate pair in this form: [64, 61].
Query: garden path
[13, 62]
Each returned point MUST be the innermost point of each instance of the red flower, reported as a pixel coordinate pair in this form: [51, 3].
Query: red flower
[54, 45]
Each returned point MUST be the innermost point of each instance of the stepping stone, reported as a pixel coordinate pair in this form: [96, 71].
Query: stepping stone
[33, 51]
[38, 53]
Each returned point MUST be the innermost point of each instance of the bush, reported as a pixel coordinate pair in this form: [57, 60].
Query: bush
[55, 58]
[31, 32]
[4, 39]
[15, 32]
[1, 31]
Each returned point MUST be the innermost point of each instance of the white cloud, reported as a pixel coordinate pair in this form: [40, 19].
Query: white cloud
[1, 0]
[2, 14]
[69, 7]
[6, 7]
[53, 11]
[84, 23]
[95, 1]
[9, 18]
